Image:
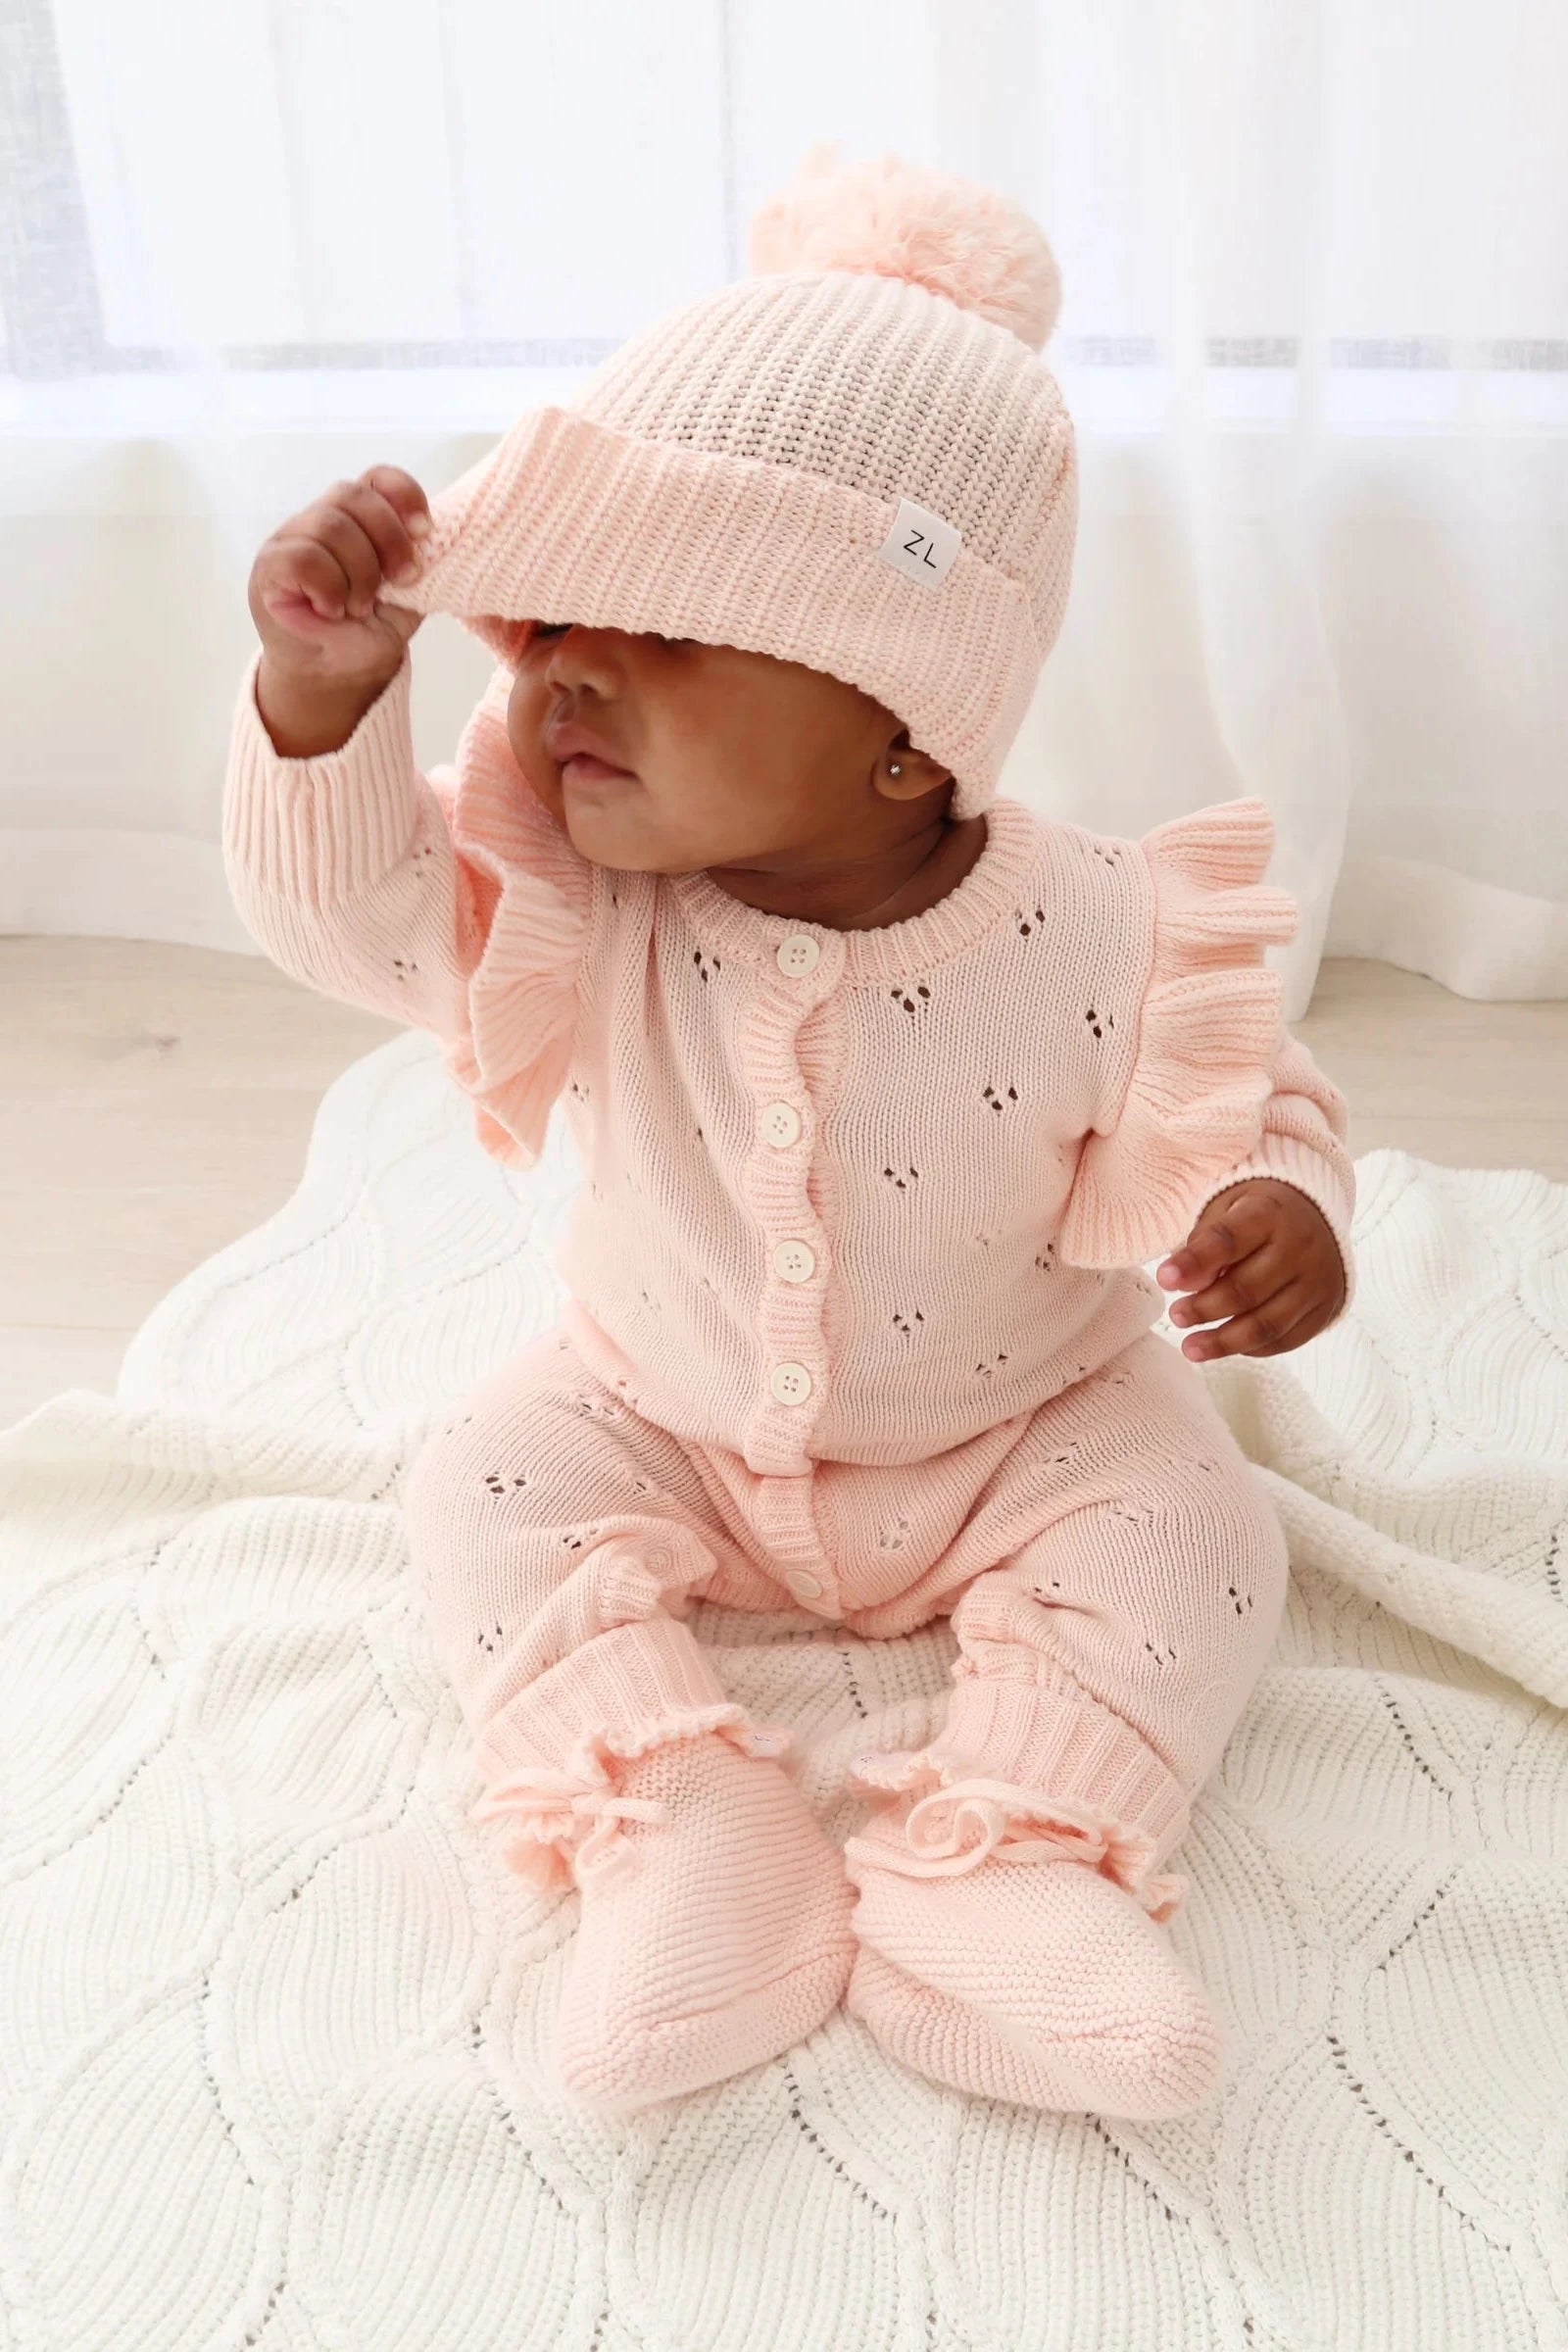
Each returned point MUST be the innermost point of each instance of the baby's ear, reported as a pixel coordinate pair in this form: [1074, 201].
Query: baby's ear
[903, 774]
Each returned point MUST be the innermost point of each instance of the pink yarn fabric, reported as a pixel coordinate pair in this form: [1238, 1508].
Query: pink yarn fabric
[1111, 1569]
[849, 1195]
[963, 1820]
[736, 471]
[856, 1316]
[564, 1822]
[858, 1208]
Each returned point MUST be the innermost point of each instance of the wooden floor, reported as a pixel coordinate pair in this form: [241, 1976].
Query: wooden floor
[154, 1102]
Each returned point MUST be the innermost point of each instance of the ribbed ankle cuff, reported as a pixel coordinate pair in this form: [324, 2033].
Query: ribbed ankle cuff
[1055, 1745]
[628, 1690]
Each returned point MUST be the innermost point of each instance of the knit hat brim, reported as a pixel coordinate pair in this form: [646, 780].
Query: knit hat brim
[566, 520]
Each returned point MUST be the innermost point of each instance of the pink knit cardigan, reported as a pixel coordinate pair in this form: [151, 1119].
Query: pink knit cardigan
[849, 1195]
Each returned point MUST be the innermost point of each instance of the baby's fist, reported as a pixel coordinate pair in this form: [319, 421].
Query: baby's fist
[315, 584]
[1264, 1255]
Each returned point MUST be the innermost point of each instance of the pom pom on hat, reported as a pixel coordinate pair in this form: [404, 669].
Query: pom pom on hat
[735, 473]
[889, 219]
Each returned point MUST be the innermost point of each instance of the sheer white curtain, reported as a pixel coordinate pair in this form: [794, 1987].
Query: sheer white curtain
[1315, 338]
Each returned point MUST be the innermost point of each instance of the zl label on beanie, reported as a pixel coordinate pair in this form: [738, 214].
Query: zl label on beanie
[852, 458]
[921, 544]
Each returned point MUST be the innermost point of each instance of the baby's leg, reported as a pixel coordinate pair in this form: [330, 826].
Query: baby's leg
[1104, 1660]
[558, 1538]
[550, 1526]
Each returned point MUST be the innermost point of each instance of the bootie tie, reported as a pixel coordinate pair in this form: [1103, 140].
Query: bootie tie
[715, 1928]
[996, 1955]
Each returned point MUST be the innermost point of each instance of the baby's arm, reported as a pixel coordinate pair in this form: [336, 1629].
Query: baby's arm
[337, 852]
[1219, 1139]
[342, 868]
[1270, 1248]
[343, 859]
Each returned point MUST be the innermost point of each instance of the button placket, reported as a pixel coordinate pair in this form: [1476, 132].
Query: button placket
[795, 1261]
[786, 1522]
[798, 955]
[782, 1125]
[805, 972]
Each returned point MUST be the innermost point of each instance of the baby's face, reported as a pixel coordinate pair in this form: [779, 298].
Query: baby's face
[716, 758]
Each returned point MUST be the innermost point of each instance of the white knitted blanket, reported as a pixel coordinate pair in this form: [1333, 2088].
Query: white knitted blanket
[272, 2012]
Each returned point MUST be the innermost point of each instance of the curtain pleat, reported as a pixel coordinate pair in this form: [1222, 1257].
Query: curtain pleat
[1314, 336]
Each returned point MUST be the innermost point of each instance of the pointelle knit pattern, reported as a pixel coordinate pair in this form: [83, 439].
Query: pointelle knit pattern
[274, 2011]
[855, 1200]
[999, 1110]
[857, 1203]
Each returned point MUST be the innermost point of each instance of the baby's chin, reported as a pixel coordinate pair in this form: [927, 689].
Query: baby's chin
[608, 824]
[598, 829]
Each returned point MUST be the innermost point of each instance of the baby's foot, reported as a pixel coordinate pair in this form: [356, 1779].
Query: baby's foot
[716, 1940]
[1039, 1982]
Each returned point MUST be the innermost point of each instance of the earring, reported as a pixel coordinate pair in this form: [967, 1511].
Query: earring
[894, 768]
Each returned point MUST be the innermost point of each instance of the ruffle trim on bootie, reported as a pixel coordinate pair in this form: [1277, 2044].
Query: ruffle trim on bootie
[565, 1824]
[961, 1818]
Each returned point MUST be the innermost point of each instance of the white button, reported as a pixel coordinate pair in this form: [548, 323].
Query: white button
[781, 1124]
[797, 954]
[805, 1586]
[795, 1261]
[791, 1384]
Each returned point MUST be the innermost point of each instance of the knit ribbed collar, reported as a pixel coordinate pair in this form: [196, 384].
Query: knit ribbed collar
[1012, 857]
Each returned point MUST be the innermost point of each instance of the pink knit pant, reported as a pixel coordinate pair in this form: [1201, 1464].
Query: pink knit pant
[1113, 1571]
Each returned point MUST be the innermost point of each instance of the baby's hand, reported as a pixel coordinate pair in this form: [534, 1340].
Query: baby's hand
[328, 646]
[1268, 1259]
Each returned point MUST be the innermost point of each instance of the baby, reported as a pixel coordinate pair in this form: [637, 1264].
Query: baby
[886, 1089]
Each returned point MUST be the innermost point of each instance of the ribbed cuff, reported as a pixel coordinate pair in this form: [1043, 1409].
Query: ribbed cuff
[633, 1687]
[1285, 1159]
[323, 829]
[1048, 1734]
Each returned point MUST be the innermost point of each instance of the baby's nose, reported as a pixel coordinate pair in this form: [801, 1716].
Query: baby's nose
[588, 660]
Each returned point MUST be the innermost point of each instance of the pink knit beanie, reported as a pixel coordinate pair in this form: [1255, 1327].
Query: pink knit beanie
[851, 458]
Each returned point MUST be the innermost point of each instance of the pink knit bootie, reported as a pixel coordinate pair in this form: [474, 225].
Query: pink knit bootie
[1011, 1965]
[715, 1928]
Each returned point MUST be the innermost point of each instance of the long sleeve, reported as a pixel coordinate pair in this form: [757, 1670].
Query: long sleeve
[1212, 1088]
[1303, 1142]
[464, 911]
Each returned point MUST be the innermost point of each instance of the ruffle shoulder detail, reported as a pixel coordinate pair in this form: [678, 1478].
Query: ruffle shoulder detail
[524, 911]
[1209, 1035]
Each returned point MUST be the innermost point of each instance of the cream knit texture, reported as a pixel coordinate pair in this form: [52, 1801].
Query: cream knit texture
[274, 2012]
